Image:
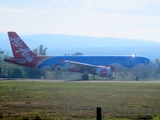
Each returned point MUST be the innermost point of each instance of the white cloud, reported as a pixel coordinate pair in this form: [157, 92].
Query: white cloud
[134, 19]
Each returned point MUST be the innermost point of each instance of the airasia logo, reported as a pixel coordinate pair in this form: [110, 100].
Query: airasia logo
[103, 72]
[16, 42]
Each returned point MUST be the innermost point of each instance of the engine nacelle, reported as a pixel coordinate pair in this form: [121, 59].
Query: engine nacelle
[104, 72]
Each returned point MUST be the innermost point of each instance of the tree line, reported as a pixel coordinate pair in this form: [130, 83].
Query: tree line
[8, 70]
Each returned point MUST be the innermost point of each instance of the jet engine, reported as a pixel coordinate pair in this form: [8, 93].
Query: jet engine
[104, 72]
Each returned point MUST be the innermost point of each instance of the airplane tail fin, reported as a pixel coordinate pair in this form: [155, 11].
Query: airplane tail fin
[19, 48]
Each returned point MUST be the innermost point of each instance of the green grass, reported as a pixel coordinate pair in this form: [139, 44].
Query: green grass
[79, 100]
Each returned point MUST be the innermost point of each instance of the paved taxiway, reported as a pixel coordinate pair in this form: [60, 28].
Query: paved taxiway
[48, 80]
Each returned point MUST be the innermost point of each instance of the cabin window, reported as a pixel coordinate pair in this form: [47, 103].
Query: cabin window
[112, 59]
[116, 59]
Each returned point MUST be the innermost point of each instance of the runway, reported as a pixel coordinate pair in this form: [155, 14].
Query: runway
[109, 81]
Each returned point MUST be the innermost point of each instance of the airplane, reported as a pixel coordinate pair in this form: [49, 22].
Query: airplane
[103, 66]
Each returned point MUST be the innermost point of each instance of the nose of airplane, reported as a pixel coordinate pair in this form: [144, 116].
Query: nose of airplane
[154, 66]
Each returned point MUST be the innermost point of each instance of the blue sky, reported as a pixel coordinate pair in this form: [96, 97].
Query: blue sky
[130, 19]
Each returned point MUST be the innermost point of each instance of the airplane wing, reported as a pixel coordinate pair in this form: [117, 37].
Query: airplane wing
[83, 66]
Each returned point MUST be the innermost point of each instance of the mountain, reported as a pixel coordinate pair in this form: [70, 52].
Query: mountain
[60, 44]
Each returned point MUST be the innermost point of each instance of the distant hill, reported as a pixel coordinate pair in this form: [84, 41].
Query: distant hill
[60, 44]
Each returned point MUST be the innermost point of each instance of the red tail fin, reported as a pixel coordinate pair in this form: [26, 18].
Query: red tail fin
[19, 48]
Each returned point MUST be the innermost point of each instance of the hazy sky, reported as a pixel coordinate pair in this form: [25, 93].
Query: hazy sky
[134, 19]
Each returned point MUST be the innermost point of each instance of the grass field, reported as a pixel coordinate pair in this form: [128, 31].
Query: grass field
[37, 100]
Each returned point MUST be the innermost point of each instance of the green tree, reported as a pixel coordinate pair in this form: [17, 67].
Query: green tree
[40, 50]
[9, 70]
[78, 53]
[158, 62]
[34, 73]
[16, 73]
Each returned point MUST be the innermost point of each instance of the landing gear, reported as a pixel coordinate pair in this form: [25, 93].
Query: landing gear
[85, 77]
[137, 78]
